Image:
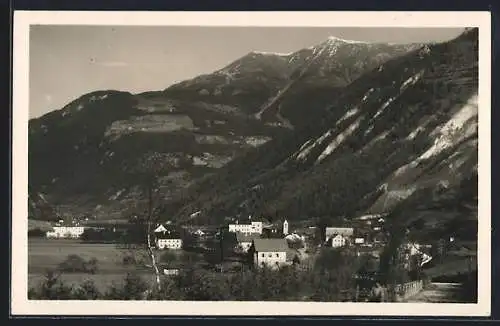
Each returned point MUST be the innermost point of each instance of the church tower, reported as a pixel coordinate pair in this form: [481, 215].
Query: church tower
[285, 227]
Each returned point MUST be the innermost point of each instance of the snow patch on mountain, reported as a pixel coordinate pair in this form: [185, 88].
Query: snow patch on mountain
[338, 39]
[367, 94]
[302, 155]
[307, 143]
[272, 53]
[347, 115]
[453, 131]
[368, 130]
[338, 140]
[211, 160]
[409, 82]
[117, 194]
[383, 107]
[212, 139]
[421, 127]
[412, 80]
[256, 141]
[376, 139]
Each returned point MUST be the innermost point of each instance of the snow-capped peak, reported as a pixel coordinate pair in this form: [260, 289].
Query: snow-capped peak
[338, 39]
[272, 53]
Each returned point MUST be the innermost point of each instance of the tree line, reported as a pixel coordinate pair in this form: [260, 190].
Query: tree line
[331, 279]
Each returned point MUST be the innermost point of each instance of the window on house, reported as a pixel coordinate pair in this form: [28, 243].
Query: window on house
[262, 255]
[277, 255]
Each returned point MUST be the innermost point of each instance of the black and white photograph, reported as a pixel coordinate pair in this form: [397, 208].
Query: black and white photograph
[251, 163]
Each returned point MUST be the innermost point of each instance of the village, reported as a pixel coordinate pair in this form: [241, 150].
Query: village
[253, 241]
[250, 244]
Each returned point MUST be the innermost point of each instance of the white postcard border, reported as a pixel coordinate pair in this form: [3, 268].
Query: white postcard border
[20, 305]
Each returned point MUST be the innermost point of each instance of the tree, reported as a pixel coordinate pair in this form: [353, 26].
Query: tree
[86, 291]
[134, 288]
[52, 288]
[77, 264]
[149, 168]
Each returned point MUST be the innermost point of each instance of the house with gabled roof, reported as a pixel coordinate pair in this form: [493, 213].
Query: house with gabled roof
[337, 241]
[269, 252]
[168, 240]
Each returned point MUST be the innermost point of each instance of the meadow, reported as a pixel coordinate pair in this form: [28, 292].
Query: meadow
[46, 254]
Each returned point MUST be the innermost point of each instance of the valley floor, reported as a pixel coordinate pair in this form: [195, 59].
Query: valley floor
[45, 254]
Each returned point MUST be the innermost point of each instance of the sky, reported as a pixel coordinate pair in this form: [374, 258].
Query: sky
[69, 61]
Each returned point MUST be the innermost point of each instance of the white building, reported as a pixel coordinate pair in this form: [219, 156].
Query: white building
[171, 271]
[253, 227]
[67, 232]
[167, 239]
[338, 241]
[359, 241]
[169, 243]
[270, 252]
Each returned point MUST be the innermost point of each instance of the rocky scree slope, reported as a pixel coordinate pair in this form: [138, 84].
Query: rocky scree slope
[400, 138]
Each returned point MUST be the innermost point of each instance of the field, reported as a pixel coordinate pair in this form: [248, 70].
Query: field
[44, 254]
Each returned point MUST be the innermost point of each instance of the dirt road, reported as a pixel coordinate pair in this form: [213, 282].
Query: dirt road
[438, 293]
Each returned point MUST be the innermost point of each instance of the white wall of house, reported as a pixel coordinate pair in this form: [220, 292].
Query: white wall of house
[271, 258]
[359, 240]
[170, 272]
[169, 243]
[73, 232]
[254, 227]
[338, 241]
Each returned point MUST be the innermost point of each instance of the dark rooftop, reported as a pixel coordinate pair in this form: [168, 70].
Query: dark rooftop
[266, 245]
[241, 237]
[168, 235]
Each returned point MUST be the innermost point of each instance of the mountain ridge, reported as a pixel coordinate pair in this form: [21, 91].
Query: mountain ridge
[81, 155]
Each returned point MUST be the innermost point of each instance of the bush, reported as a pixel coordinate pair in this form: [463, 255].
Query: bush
[134, 288]
[129, 259]
[52, 288]
[86, 291]
[77, 264]
[168, 257]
